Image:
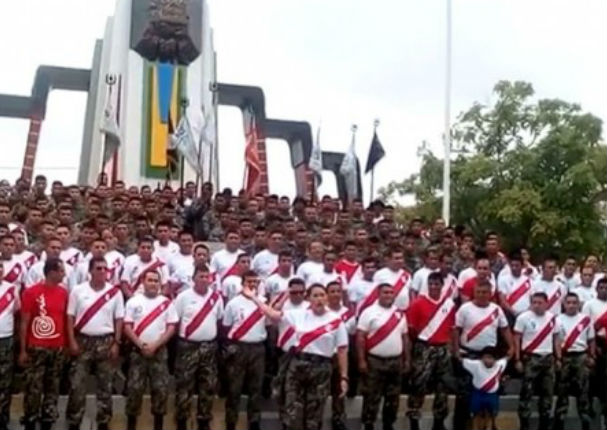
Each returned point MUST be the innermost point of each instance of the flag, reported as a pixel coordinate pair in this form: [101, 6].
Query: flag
[252, 165]
[184, 141]
[349, 170]
[376, 153]
[315, 163]
[109, 126]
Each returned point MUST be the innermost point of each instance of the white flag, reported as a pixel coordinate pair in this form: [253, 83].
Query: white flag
[109, 126]
[184, 142]
[349, 170]
[315, 163]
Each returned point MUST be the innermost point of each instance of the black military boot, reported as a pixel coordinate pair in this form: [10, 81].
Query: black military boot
[204, 425]
[131, 422]
[158, 422]
[413, 423]
[182, 424]
[524, 423]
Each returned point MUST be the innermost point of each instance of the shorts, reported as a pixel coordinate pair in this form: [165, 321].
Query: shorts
[481, 401]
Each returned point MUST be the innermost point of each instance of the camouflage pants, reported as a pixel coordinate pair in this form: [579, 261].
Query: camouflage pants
[94, 351]
[432, 372]
[142, 370]
[244, 367]
[538, 375]
[382, 380]
[573, 379]
[279, 386]
[307, 387]
[6, 377]
[338, 404]
[598, 388]
[42, 384]
[196, 366]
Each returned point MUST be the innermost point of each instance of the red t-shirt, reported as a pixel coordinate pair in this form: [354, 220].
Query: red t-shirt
[422, 316]
[47, 306]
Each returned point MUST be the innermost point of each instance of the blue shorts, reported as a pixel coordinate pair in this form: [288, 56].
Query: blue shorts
[484, 402]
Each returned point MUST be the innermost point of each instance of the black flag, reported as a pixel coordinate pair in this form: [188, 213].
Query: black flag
[376, 153]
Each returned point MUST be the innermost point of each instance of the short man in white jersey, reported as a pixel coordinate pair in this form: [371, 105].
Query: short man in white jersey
[313, 265]
[13, 270]
[150, 322]
[537, 354]
[9, 306]
[223, 262]
[69, 255]
[265, 262]
[382, 347]
[568, 274]
[477, 326]
[94, 330]
[514, 288]
[181, 262]
[576, 336]
[244, 355]
[137, 265]
[164, 247]
[585, 290]
[360, 287]
[36, 272]
[395, 274]
[547, 284]
[200, 310]
[419, 282]
[25, 256]
[277, 283]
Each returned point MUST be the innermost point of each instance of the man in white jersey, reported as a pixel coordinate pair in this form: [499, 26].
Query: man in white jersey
[36, 273]
[547, 284]
[450, 286]
[585, 289]
[13, 269]
[569, 275]
[537, 353]
[223, 262]
[94, 330]
[25, 256]
[149, 323]
[328, 274]
[265, 262]
[244, 356]
[360, 287]
[181, 262]
[232, 284]
[69, 255]
[419, 282]
[383, 354]
[200, 310]
[115, 259]
[9, 306]
[81, 273]
[313, 265]
[164, 247]
[137, 265]
[514, 288]
[182, 278]
[277, 283]
[576, 336]
[395, 274]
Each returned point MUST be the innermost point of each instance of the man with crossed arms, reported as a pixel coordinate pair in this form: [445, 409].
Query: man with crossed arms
[94, 329]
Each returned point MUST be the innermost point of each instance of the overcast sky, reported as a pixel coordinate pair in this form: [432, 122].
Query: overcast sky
[336, 61]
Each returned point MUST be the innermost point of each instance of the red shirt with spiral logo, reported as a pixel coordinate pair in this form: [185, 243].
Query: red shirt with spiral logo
[47, 307]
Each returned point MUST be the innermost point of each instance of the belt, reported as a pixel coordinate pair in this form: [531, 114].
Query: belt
[245, 344]
[534, 355]
[574, 353]
[377, 357]
[312, 358]
[6, 339]
[434, 345]
[471, 352]
[197, 342]
[100, 337]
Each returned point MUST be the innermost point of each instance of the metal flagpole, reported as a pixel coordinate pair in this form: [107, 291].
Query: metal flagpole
[184, 106]
[447, 132]
[372, 194]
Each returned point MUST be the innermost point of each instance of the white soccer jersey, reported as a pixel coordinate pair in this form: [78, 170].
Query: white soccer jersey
[265, 263]
[222, 261]
[574, 332]
[358, 289]
[570, 282]
[419, 282]
[349, 319]
[36, 275]
[486, 379]
[401, 280]
[286, 334]
[26, 258]
[9, 305]
[276, 285]
[94, 311]
[231, 287]
[479, 325]
[324, 278]
[150, 317]
[308, 269]
[165, 252]
[517, 292]
[585, 294]
[246, 321]
[529, 271]
[71, 256]
[14, 271]
[115, 263]
[134, 269]
[199, 315]
[555, 291]
[317, 334]
[537, 332]
[384, 328]
[465, 275]
[597, 310]
[180, 262]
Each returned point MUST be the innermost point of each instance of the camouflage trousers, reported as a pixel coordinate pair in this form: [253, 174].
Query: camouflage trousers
[143, 370]
[598, 387]
[537, 376]
[245, 365]
[307, 387]
[7, 359]
[94, 353]
[383, 379]
[41, 390]
[432, 373]
[338, 404]
[573, 379]
[196, 366]
[278, 386]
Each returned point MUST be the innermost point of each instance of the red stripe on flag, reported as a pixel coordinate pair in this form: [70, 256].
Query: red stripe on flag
[151, 317]
[202, 315]
[384, 331]
[94, 308]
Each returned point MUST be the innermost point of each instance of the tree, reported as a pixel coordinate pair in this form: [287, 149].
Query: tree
[534, 171]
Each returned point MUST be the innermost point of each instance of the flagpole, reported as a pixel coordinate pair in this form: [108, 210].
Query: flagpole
[372, 194]
[184, 106]
[447, 131]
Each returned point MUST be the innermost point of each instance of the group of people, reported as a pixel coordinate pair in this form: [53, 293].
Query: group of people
[303, 300]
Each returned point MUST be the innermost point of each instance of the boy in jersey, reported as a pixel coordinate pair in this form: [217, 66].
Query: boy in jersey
[9, 306]
[149, 323]
[200, 310]
[94, 328]
[383, 353]
[576, 335]
[537, 353]
[585, 288]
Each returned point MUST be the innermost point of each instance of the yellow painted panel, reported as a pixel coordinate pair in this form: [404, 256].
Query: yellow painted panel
[159, 132]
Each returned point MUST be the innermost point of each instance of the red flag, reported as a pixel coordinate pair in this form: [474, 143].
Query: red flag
[252, 165]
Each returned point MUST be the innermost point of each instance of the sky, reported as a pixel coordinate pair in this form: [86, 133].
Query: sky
[332, 63]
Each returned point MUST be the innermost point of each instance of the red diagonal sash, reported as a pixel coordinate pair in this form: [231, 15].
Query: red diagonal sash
[541, 336]
[520, 291]
[601, 322]
[94, 308]
[30, 261]
[575, 333]
[384, 331]
[345, 317]
[482, 325]
[7, 299]
[278, 298]
[14, 273]
[231, 271]
[286, 336]
[151, 268]
[374, 295]
[493, 381]
[400, 284]
[151, 317]
[247, 324]
[73, 259]
[311, 336]
[202, 315]
[555, 297]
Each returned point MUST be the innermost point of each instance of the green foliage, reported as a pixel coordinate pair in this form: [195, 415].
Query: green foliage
[535, 171]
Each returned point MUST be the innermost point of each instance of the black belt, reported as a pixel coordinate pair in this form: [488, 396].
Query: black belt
[377, 357]
[574, 353]
[435, 345]
[312, 358]
[245, 344]
[534, 355]
[6, 339]
[100, 337]
[196, 342]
